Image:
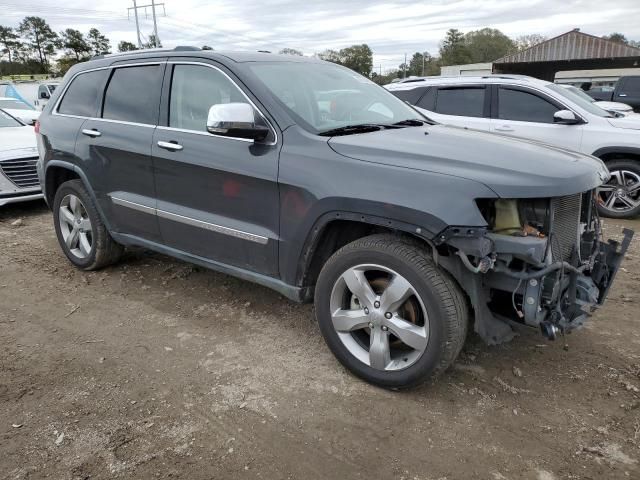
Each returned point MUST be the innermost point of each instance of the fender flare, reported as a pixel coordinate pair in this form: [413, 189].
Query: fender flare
[83, 178]
[607, 150]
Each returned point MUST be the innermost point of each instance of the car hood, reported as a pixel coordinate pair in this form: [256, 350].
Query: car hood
[512, 168]
[615, 106]
[628, 121]
[17, 142]
[24, 115]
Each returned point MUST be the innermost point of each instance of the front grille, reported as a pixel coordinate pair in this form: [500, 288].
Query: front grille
[566, 222]
[21, 172]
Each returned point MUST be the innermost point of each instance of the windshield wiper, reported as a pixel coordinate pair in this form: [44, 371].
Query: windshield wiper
[353, 129]
[411, 122]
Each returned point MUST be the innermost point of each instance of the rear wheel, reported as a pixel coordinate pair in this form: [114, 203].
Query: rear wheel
[81, 233]
[620, 197]
[388, 313]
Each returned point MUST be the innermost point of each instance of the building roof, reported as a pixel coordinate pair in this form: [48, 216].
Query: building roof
[573, 45]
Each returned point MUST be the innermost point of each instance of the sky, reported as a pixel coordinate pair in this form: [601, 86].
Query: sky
[391, 28]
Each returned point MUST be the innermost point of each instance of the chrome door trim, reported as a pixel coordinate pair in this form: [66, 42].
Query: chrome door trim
[252, 237]
[202, 132]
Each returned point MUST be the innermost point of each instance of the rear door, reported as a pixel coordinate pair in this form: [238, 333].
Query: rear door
[217, 196]
[628, 91]
[525, 113]
[459, 105]
[115, 148]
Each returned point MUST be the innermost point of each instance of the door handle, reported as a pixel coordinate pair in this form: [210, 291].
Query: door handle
[91, 133]
[172, 146]
[504, 128]
[622, 94]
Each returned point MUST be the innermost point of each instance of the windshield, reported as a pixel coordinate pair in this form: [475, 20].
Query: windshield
[580, 93]
[323, 97]
[52, 87]
[14, 104]
[587, 105]
[7, 120]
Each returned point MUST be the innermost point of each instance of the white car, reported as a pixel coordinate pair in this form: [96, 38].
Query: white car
[533, 109]
[18, 156]
[45, 91]
[20, 110]
[612, 107]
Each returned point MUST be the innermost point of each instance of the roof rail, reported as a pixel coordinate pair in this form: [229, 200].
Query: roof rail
[180, 48]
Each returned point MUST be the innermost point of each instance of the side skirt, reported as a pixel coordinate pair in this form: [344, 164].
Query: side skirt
[295, 294]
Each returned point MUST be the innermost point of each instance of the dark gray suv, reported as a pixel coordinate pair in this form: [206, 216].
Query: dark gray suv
[308, 178]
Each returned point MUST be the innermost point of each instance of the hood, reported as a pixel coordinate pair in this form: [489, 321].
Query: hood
[17, 142]
[628, 121]
[615, 106]
[512, 168]
[27, 116]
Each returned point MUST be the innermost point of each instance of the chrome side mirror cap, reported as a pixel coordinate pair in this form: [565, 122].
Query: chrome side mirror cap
[236, 120]
[566, 117]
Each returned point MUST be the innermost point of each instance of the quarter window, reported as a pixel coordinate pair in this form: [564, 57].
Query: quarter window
[524, 106]
[133, 94]
[194, 90]
[465, 102]
[81, 98]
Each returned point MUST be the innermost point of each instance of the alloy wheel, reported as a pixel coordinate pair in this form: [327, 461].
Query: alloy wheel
[379, 317]
[75, 226]
[621, 193]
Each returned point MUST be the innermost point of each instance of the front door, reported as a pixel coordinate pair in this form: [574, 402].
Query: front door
[524, 113]
[217, 196]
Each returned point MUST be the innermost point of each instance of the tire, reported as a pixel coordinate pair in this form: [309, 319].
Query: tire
[92, 247]
[400, 264]
[625, 180]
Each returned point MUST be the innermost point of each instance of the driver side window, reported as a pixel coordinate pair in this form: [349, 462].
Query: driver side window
[195, 89]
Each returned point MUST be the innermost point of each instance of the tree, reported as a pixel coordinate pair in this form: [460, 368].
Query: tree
[8, 40]
[41, 40]
[330, 56]
[206, 47]
[487, 45]
[418, 61]
[358, 58]
[153, 42]
[527, 41]
[98, 43]
[453, 50]
[616, 37]
[290, 51]
[74, 42]
[125, 46]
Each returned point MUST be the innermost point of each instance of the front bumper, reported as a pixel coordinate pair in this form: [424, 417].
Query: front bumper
[20, 198]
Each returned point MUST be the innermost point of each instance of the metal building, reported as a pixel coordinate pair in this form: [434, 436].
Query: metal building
[573, 50]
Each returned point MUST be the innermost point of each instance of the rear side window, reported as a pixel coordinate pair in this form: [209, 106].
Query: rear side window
[428, 100]
[465, 102]
[524, 106]
[133, 94]
[412, 95]
[81, 98]
[194, 90]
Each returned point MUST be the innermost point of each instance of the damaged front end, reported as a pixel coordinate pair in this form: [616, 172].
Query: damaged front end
[540, 262]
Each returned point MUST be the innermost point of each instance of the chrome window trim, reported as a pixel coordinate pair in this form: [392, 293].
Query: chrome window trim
[271, 127]
[252, 237]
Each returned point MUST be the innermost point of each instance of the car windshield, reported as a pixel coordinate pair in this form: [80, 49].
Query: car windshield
[14, 104]
[587, 105]
[52, 87]
[323, 97]
[7, 120]
[580, 93]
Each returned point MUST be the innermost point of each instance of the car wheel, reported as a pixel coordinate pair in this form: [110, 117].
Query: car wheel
[81, 233]
[388, 313]
[620, 197]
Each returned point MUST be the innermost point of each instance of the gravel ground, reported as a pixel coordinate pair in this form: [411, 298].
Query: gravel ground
[154, 368]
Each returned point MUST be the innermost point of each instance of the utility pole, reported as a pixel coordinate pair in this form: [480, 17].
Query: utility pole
[404, 65]
[153, 6]
[423, 64]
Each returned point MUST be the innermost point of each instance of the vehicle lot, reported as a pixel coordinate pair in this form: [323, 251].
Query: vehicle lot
[156, 368]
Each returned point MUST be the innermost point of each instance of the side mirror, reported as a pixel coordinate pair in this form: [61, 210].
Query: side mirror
[44, 95]
[566, 117]
[235, 120]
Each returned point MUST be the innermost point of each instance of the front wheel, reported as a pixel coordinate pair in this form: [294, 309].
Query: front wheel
[388, 313]
[620, 197]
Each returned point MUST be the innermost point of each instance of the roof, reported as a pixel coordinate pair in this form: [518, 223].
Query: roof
[573, 45]
[466, 79]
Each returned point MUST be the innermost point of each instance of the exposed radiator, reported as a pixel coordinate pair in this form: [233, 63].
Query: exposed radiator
[21, 172]
[565, 225]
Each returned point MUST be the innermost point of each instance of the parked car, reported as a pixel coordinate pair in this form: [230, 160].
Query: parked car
[18, 157]
[611, 107]
[533, 109]
[626, 90]
[45, 90]
[395, 226]
[601, 94]
[25, 112]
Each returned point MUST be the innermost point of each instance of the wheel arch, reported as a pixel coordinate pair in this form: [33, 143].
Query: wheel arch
[613, 153]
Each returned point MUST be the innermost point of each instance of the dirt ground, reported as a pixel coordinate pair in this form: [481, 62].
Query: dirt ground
[154, 368]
